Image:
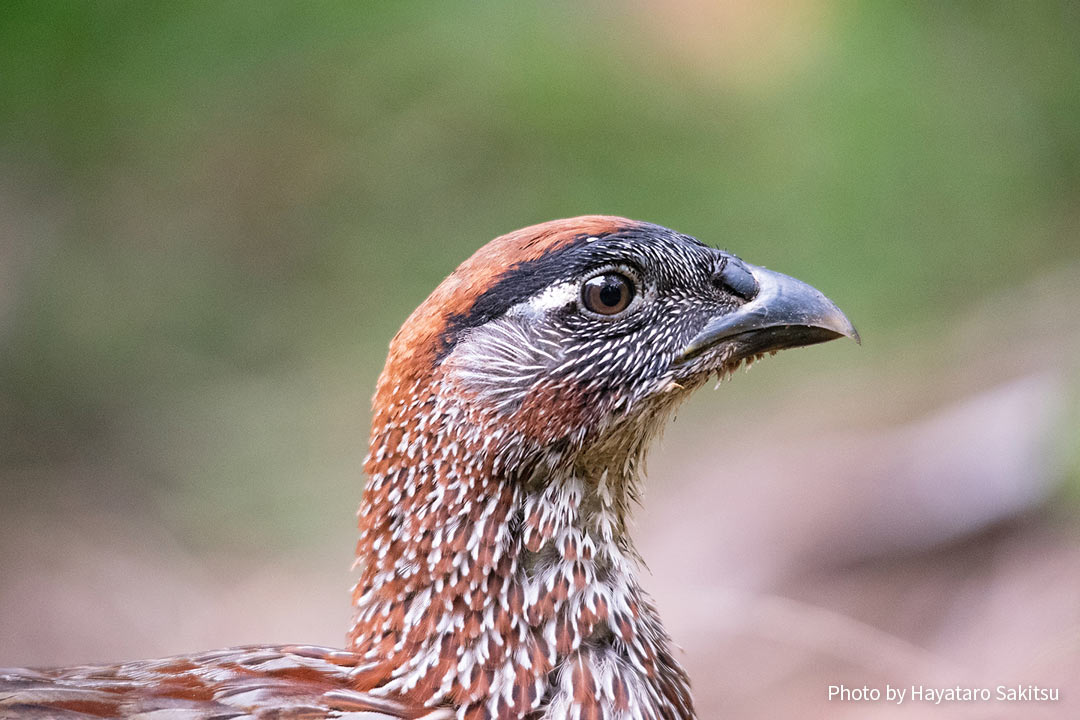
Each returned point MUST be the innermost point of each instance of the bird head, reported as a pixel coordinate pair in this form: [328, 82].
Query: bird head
[516, 402]
[583, 333]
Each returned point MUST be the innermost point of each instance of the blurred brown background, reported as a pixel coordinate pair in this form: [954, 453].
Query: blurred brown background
[214, 216]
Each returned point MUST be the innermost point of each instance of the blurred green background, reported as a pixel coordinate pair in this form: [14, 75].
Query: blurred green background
[213, 217]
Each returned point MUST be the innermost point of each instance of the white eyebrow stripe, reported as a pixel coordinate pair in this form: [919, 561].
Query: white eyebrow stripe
[552, 298]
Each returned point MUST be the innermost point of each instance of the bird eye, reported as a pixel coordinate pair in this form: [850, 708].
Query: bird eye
[607, 294]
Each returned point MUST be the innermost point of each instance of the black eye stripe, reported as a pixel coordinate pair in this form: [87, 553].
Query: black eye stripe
[643, 245]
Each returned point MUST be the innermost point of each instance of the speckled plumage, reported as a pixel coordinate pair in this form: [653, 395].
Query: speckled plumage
[497, 573]
[497, 576]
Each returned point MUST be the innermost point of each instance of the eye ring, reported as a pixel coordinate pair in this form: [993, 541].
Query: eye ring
[608, 294]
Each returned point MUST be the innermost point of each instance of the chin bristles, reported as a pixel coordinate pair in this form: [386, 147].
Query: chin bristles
[725, 372]
[753, 359]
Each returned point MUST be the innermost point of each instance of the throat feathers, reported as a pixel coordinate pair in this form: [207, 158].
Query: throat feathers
[497, 574]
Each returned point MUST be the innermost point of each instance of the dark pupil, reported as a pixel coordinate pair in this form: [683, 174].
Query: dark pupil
[611, 292]
[607, 294]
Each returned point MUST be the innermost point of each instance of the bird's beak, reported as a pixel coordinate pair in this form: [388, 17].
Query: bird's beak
[784, 313]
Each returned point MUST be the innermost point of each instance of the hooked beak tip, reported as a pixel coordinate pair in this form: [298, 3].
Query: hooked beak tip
[784, 313]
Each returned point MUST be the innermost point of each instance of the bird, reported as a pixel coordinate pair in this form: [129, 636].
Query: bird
[497, 575]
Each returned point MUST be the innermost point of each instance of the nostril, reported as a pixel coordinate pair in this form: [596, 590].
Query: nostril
[734, 277]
